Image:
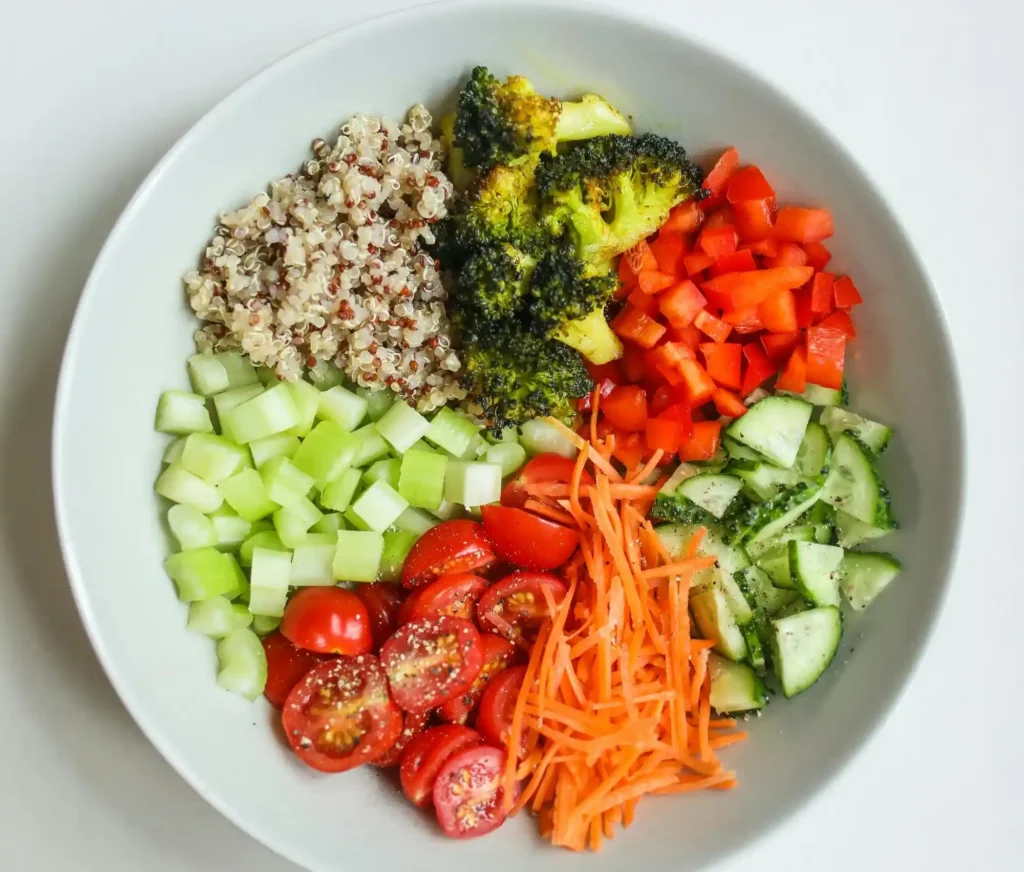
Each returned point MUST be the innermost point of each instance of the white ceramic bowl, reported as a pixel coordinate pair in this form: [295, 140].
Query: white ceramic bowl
[133, 332]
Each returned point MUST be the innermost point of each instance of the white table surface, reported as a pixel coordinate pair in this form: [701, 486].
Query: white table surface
[926, 93]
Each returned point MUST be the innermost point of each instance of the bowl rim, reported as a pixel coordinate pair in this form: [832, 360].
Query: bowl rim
[149, 727]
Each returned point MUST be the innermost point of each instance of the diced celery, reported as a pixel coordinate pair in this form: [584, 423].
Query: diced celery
[202, 573]
[212, 458]
[331, 522]
[240, 369]
[397, 544]
[358, 555]
[327, 377]
[273, 411]
[539, 437]
[207, 374]
[509, 434]
[243, 664]
[181, 413]
[293, 522]
[307, 401]
[242, 580]
[181, 486]
[369, 447]
[354, 521]
[243, 617]
[345, 408]
[451, 431]
[264, 625]
[423, 445]
[191, 527]
[470, 483]
[232, 529]
[313, 561]
[284, 481]
[338, 494]
[508, 455]
[267, 539]
[267, 375]
[421, 482]
[268, 579]
[401, 426]
[378, 506]
[446, 511]
[416, 521]
[247, 495]
[216, 617]
[225, 402]
[325, 452]
[383, 470]
[378, 402]
[279, 445]
[172, 453]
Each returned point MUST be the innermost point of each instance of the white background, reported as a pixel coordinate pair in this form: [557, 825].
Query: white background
[926, 94]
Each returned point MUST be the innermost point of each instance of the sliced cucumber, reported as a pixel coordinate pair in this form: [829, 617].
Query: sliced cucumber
[854, 485]
[823, 518]
[798, 533]
[774, 427]
[762, 481]
[764, 598]
[817, 395]
[874, 435]
[804, 645]
[715, 621]
[775, 564]
[675, 538]
[739, 451]
[812, 458]
[814, 569]
[735, 687]
[851, 531]
[681, 473]
[713, 493]
[718, 578]
[864, 575]
[538, 436]
[770, 518]
[752, 635]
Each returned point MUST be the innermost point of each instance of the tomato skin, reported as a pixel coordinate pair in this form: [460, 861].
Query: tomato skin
[516, 604]
[541, 469]
[494, 720]
[426, 754]
[453, 595]
[522, 538]
[432, 660]
[499, 654]
[286, 666]
[330, 620]
[450, 547]
[340, 715]
[469, 798]
[413, 725]
[382, 600]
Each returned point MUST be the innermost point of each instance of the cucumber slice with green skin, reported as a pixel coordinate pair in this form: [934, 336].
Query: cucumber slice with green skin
[864, 575]
[181, 413]
[675, 538]
[798, 533]
[181, 486]
[681, 473]
[851, 532]
[717, 578]
[775, 564]
[854, 485]
[764, 481]
[358, 555]
[804, 645]
[817, 395]
[752, 635]
[735, 687]
[774, 427]
[814, 569]
[451, 431]
[540, 437]
[243, 664]
[813, 456]
[191, 527]
[397, 545]
[797, 607]
[764, 598]
[714, 493]
[874, 435]
[715, 621]
[739, 451]
[768, 519]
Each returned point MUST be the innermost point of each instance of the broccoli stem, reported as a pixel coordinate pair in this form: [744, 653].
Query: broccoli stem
[589, 117]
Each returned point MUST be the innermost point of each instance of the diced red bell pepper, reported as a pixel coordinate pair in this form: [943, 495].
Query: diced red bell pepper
[626, 407]
[640, 257]
[748, 183]
[841, 321]
[695, 264]
[668, 250]
[759, 368]
[627, 280]
[634, 363]
[660, 400]
[698, 386]
[604, 387]
[817, 255]
[667, 431]
[790, 254]
[629, 449]
[779, 346]
[717, 180]
[634, 325]
[718, 218]
[846, 293]
[821, 293]
[736, 261]
[684, 218]
[754, 218]
[778, 312]
[612, 371]
[763, 247]
[826, 352]
[718, 241]
[723, 362]
[729, 404]
[751, 288]
[704, 442]
[711, 326]
[652, 281]
[689, 335]
[796, 224]
[744, 320]
[646, 303]
[667, 356]
[681, 303]
[804, 315]
[794, 376]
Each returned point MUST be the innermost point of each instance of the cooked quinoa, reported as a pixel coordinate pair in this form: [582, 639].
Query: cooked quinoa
[327, 267]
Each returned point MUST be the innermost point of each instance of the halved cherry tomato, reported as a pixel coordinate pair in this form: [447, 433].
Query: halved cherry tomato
[382, 600]
[330, 620]
[527, 540]
[413, 724]
[286, 665]
[431, 660]
[453, 546]
[426, 754]
[542, 469]
[340, 715]
[626, 407]
[497, 705]
[517, 605]
[453, 595]
[469, 793]
[498, 655]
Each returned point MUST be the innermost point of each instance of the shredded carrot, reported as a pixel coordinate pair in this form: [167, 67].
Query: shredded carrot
[615, 703]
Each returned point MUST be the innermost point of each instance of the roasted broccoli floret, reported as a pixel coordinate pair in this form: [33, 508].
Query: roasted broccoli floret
[490, 286]
[461, 175]
[609, 193]
[509, 122]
